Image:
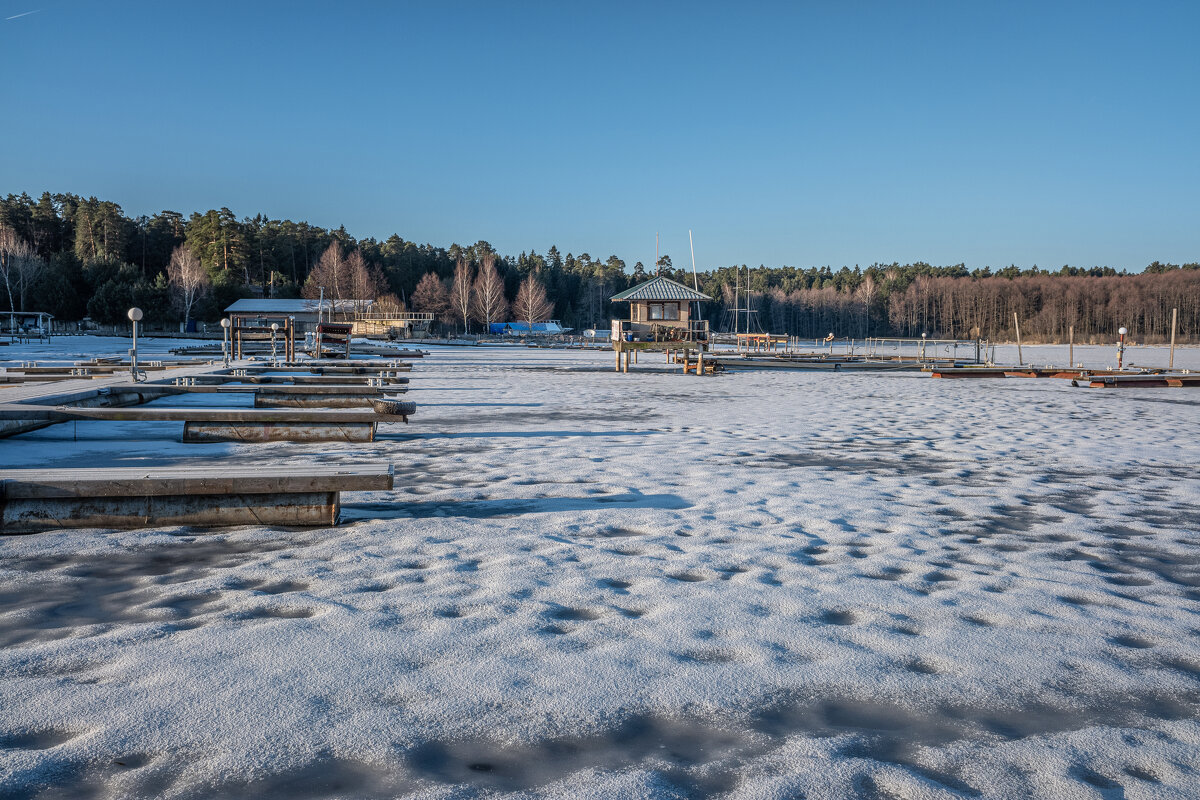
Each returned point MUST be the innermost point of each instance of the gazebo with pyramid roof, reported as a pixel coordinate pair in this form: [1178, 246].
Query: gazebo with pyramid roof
[660, 318]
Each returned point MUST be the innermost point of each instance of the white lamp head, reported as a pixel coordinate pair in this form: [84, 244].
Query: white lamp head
[1123, 331]
[274, 326]
[225, 322]
[135, 313]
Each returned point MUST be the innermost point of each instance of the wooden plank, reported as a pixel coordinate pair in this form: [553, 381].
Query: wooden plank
[161, 481]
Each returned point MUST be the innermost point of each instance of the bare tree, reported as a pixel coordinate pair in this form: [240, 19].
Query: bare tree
[490, 304]
[460, 291]
[362, 286]
[532, 305]
[330, 274]
[20, 266]
[431, 296]
[189, 279]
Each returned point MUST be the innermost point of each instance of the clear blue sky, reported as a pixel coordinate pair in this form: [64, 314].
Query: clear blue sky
[792, 133]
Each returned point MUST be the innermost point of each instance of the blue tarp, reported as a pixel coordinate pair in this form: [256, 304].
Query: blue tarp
[517, 328]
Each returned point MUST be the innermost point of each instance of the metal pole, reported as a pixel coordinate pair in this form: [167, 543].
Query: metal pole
[1071, 346]
[1121, 348]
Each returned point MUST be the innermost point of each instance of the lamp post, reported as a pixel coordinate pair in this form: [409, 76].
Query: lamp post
[225, 340]
[1121, 347]
[830, 338]
[134, 315]
[274, 330]
[923, 335]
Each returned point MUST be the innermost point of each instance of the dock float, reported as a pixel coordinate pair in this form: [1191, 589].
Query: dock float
[1180, 380]
[235, 424]
[36, 500]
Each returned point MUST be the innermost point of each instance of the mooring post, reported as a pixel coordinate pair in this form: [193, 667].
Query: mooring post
[618, 366]
[1174, 319]
[700, 362]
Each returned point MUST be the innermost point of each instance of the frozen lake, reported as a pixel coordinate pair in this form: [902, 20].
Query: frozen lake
[587, 584]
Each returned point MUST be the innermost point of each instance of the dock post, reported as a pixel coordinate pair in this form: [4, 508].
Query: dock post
[700, 362]
[618, 367]
[635, 352]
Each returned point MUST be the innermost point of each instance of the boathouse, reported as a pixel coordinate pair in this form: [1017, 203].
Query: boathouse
[660, 318]
[660, 310]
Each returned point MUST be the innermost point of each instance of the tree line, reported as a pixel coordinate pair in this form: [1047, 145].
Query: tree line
[78, 257]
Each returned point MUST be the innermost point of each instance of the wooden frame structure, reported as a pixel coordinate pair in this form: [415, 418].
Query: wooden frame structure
[241, 328]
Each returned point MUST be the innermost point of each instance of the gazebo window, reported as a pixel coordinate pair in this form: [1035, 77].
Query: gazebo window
[664, 311]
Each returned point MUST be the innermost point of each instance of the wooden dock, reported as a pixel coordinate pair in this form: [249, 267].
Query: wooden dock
[33, 500]
[288, 407]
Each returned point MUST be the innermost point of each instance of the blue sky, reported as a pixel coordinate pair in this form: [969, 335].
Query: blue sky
[795, 133]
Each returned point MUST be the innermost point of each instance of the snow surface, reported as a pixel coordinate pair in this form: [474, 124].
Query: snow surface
[586, 584]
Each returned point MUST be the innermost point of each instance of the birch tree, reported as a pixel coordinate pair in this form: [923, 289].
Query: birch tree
[189, 279]
[490, 304]
[532, 305]
[460, 291]
[330, 274]
[20, 267]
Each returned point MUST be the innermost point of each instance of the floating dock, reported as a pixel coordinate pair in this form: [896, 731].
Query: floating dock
[34, 500]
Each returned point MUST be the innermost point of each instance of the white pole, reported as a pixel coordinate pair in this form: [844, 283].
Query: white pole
[691, 244]
[695, 280]
[1174, 319]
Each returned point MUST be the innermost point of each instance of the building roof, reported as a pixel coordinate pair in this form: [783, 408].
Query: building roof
[660, 288]
[259, 305]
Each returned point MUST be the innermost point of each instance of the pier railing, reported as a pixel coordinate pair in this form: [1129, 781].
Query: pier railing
[695, 330]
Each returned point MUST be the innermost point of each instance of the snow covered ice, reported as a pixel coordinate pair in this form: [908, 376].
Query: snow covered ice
[587, 584]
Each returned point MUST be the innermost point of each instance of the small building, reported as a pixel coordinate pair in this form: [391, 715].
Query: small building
[660, 310]
[369, 318]
[660, 318]
[258, 312]
[27, 323]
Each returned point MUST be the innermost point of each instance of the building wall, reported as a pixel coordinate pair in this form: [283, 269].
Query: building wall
[640, 312]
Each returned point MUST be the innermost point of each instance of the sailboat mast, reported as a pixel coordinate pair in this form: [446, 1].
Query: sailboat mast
[692, 245]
